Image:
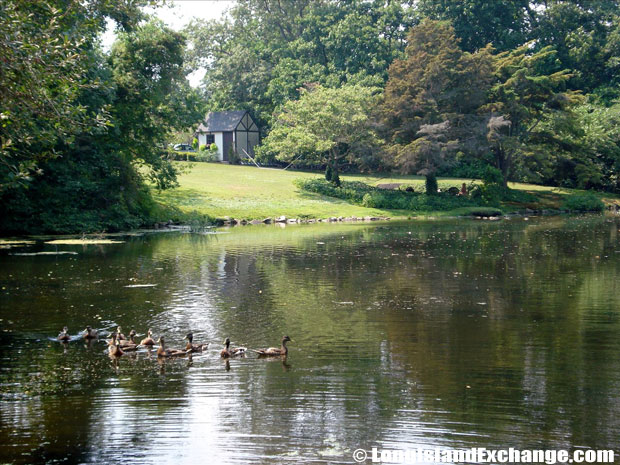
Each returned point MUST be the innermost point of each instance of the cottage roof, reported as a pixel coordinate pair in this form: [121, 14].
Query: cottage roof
[221, 121]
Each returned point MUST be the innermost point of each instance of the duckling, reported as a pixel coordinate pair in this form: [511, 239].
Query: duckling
[115, 350]
[119, 334]
[227, 352]
[163, 352]
[90, 333]
[148, 341]
[194, 347]
[274, 351]
[64, 335]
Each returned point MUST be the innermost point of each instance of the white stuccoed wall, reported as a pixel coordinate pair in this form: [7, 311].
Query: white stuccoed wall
[219, 141]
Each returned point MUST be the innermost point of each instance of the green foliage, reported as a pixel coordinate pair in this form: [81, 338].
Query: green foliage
[210, 157]
[527, 91]
[266, 50]
[367, 196]
[195, 143]
[432, 97]
[325, 126]
[203, 148]
[336, 179]
[431, 184]
[480, 22]
[492, 190]
[583, 203]
[152, 95]
[47, 50]
[200, 156]
[233, 157]
[328, 172]
[213, 148]
[96, 181]
[592, 158]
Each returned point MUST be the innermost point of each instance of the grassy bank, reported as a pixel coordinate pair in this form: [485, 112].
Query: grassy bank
[252, 193]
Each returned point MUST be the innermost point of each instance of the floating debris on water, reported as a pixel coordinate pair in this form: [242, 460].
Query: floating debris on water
[83, 241]
[64, 252]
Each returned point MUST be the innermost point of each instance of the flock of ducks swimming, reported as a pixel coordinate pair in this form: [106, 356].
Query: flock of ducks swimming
[118, 345]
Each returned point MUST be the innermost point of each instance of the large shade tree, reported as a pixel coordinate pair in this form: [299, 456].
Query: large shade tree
[46, 48]
[266, 50]
[97, 181]
[324, 126]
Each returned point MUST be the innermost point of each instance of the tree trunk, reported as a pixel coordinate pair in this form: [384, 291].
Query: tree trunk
[334, 171]
[503, 163]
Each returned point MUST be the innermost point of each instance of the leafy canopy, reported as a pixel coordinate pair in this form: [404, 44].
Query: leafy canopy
[324, 125]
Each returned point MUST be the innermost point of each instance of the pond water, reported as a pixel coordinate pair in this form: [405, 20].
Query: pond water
[451, 334]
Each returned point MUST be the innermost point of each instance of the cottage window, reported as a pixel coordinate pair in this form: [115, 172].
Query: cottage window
[210, 139]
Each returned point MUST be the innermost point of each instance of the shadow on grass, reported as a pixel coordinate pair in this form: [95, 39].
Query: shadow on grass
[183, 197]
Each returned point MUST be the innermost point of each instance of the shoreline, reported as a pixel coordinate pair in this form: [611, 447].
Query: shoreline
[7, 242]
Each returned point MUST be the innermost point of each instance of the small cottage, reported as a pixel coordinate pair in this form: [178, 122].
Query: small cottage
[230, 131]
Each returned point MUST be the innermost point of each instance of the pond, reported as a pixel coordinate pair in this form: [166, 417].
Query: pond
[446, 333]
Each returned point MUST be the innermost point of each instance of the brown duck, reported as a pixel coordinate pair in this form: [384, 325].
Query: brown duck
[227, 352]
[119, 334]
[148, 340]
[274, 351]
[129, 344]
[115, 349]
[163, 352]
[194, 347]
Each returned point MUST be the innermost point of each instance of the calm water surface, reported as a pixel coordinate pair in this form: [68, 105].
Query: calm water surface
[450, 334]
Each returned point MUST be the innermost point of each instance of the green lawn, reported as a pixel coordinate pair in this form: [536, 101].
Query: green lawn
[254, 193]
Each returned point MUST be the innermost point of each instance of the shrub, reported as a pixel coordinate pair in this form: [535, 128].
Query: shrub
[213, 148]
[209, 157]
[194, 143]
[233, 157]
[368, 196]
[583, 203]
[203, 148]
[431, 184]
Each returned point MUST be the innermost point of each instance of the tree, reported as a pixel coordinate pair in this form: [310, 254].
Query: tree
[324, 126]
[269, 49]
[504, 24]
[153, 96]
[97, 182]
[432, 98]
[584, 35]
[46, 47]
[523, 97]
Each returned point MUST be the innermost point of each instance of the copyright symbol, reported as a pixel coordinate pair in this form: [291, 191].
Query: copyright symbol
[360, 455]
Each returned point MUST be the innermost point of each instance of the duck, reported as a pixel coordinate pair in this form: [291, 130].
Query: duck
[129, 344]
[112, 341]
[194, 347]
[115, 349]
[163, 352]
[148, 340]
[228, 352]
[90, 333]
[63, 336]
[274, 351]
[130, 340]
[119, 334]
